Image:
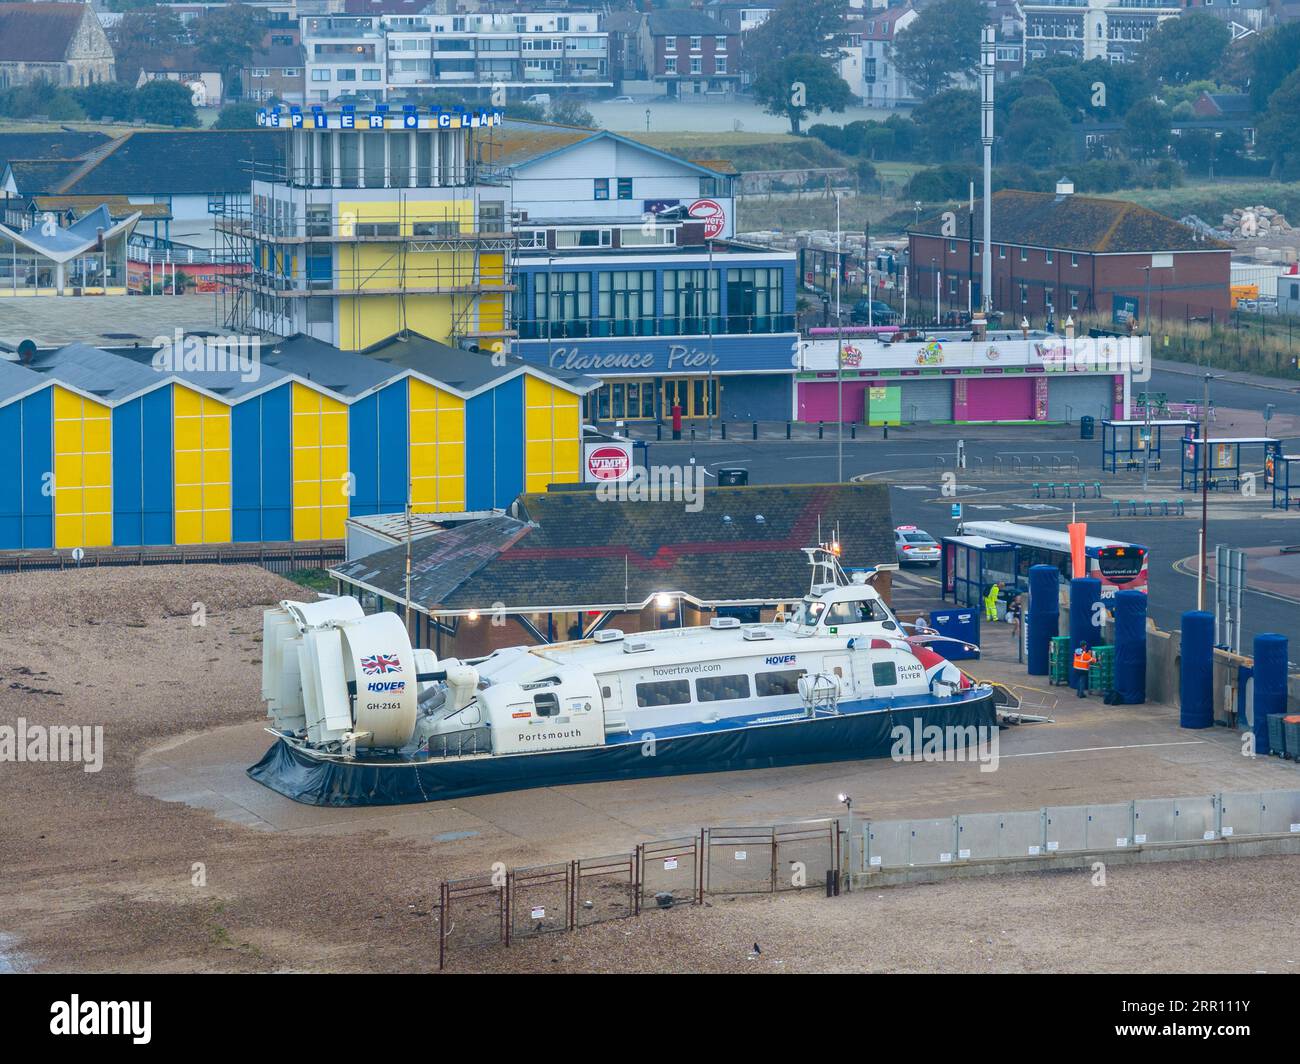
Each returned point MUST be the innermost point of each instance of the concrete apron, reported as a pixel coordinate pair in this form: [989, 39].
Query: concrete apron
[1149, 853]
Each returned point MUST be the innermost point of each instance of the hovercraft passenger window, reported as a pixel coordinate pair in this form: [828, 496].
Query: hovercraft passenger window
[663, 693]
[884, 673]
[853, 613]
[722, 688]
[546, 705]
[769, 684]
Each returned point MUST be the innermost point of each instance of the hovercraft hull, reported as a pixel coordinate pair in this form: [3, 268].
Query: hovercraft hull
[859, 731]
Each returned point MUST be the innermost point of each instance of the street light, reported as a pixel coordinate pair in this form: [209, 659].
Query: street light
[846, 800]
[1205, 487]
[839, 351]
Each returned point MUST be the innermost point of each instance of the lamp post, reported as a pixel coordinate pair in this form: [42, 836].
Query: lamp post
[846, 800]
[1205, 487]
[839, 352]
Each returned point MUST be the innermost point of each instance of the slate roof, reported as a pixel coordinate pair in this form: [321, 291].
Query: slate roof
[38, 33]
[181, 162]
[576, 549]
[345, 372]
[62, 144]
[683, 22]
[440, 563]
[16, 379]
[464, 370]
[95, 371]
[279, 56]
[34, 176]
[1075, 223]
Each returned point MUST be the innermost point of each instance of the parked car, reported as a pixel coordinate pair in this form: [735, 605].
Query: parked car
[879, 314]
[622, 99]
[914, 546]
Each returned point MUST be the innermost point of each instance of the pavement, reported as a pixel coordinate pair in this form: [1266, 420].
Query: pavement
[104, 321]
[1092, 753]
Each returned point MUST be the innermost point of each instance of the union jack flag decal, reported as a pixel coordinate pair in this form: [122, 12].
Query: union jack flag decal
[380, 664]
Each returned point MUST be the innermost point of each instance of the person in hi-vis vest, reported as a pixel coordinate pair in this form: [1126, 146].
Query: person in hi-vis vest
[991, 604]
[1083, 659]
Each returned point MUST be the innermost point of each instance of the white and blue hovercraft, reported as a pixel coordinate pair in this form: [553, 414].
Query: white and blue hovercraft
[362, 718]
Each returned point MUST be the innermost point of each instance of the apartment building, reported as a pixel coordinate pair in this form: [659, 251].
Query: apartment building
[866, 57]
[523, 53]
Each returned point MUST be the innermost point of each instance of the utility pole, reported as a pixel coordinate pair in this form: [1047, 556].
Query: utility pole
[839, 351]
[987, 56]
[1205, 489]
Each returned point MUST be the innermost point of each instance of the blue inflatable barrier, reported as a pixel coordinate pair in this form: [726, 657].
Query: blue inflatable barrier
[1085, 617]
[1270, 684]
[1043, 617]
[1131, 647]
[1196, 680]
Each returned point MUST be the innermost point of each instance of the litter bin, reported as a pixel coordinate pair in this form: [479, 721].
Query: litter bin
[1087, 427]
[732, 476]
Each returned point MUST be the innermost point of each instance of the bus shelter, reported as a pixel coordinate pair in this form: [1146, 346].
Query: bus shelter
[1122, 442]
[1282, 473]
[1219, 459]
[970, 565]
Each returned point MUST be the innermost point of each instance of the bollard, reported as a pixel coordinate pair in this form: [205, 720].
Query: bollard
[853, 431]
[830, 883]
[787, 430]
[1131, 647]
[1270, 685]
[692, 434]
[755, 430]
[821, 430]
[886, 434]
[659, 430]
[1196, 680]
[723, 425]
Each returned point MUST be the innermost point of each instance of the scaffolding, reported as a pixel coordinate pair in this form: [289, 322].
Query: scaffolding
[426, 236]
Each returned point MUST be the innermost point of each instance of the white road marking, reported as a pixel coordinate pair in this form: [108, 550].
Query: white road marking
[1097, 749]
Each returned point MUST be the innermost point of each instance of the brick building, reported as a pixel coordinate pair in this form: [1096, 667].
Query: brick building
[1059, 254]
[689, 54]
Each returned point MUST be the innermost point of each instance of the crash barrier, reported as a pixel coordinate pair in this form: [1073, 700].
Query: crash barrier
[509, 905]
[892, 844]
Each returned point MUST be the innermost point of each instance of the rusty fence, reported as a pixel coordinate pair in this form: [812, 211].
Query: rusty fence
[522, 903]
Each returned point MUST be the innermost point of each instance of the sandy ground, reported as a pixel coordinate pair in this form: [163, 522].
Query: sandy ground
[97, 876]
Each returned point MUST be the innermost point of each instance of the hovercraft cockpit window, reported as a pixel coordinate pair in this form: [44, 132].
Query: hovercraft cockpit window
[859, 612]
[807, 613]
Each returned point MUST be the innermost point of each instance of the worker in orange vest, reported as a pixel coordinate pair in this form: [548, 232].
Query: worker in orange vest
[1083, 659]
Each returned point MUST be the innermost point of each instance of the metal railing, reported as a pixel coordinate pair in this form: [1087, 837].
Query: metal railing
[951, 840]
[514, 904]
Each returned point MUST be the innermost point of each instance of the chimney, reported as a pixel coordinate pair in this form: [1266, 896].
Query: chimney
[1064, 187]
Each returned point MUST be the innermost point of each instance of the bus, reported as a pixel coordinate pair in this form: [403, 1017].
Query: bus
[1120, 566]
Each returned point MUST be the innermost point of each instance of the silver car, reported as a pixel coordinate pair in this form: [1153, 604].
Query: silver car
[915, 547]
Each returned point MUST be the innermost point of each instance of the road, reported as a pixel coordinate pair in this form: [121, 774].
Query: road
[913, 460]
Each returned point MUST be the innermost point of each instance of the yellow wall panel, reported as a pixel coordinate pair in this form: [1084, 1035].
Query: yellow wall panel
[551, 435]
[320, 465]
[437, 420]
[83, 494]
[201, 467]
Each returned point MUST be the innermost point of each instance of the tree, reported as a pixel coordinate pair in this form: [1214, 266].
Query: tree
[1275, 55]
[1038, 130]
[941, 46]
[237, 116]
[226, 37]
[801, 85]
[1279, 129]
[1187, 47]
[139, 34]
[796, 27]
[569, 111]
[165, 103]
[107, 99]
[948, 124]
[1146, 129]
